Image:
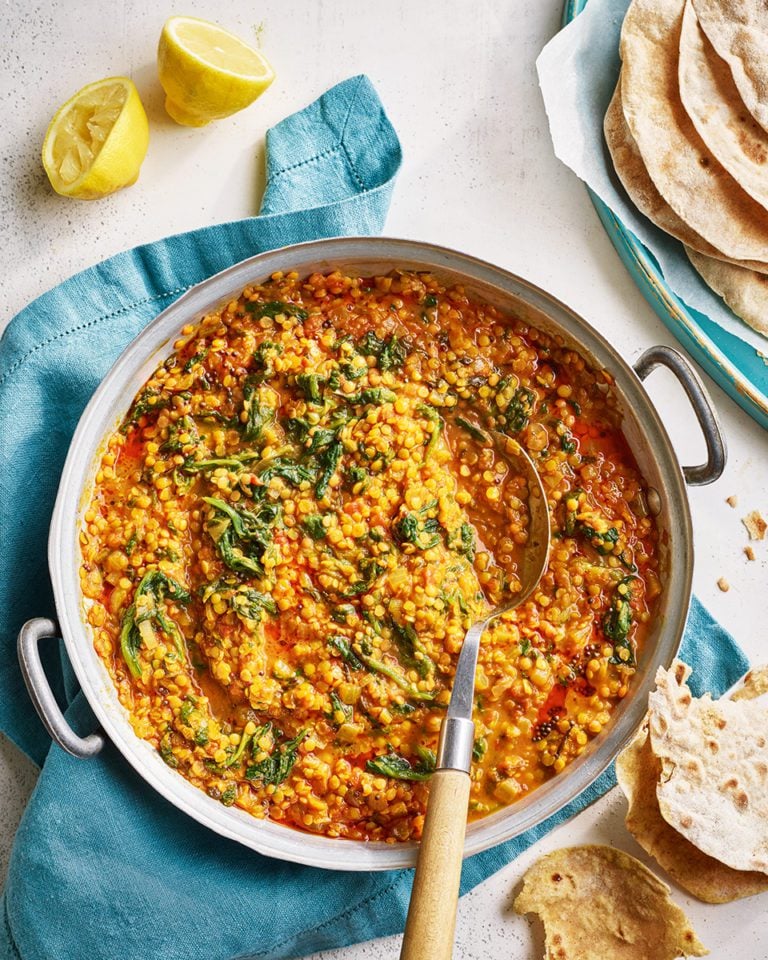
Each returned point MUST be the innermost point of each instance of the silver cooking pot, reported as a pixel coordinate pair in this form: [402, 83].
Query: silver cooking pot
[367, 256]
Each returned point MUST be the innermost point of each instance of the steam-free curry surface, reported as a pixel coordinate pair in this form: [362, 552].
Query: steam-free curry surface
[300, 516]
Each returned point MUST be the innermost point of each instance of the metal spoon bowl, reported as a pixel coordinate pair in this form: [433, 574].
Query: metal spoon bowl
[429, 930]
[454, 750]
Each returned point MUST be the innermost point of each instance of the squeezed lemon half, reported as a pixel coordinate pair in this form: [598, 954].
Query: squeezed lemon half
[97, 141]
[208, 73]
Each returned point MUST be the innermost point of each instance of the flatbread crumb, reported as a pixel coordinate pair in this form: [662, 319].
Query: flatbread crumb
[723, 584]
[732, 501]
[755, 524]
[755, 684]
[750, 553]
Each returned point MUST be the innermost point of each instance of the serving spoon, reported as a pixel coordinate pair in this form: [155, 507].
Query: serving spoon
[429, 930]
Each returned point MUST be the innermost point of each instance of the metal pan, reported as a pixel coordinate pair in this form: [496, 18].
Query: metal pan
[365, 256]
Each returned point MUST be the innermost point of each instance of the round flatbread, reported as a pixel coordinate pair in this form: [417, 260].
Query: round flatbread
[713, 787]
[630, 169]
[745, 291]
[638, 772]
[685, 172]
[597, 902]
[722, 121]
[739, 33]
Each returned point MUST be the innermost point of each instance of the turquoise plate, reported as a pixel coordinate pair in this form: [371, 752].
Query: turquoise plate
[739, 369]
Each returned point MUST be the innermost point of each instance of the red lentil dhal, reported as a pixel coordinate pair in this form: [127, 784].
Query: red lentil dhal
[295, 523]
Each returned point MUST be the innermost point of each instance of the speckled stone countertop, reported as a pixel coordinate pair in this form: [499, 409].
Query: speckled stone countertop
[458, 81]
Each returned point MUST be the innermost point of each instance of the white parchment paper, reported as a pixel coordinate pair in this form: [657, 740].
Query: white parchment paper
[578, 71]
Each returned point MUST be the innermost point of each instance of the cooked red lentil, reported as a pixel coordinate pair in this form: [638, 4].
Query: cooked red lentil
[299, 518]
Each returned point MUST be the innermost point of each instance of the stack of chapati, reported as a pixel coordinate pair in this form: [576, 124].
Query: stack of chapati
[696, 777]
[687, 129]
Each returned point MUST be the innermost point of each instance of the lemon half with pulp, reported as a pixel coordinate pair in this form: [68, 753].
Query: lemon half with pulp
[207, 72]
[97, 141]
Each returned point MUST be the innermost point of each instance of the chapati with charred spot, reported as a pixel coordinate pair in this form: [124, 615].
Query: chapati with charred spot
[597, 902]
[713, 787]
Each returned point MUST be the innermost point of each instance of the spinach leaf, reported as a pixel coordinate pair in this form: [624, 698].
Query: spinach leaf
[236, 755]
[275, 768]
[393, 353]
[313, 524]
[263, 357]
[184, 426]
[617, 623]
[396, 767]
[297, 428]
[414, 528]
[471, 429]
[355, 475]
[378, 666]
[247, 525]
[321, 437]
[274, 308]
[241, 559]
[147, 401]
[288, 470]
[462, 540]
[339, 707]
[242, 537]
[519, 410]
[602, 542]
[310, 385]
[154, 587]
[353, 371]
[251, 604]
[369, 570]
[195, 359]
[342, 613]
[357, 661]
[259, 414]
[412, 652]
[431, 414]
[373, 395]
[328, 460]
[343, 647]
[404, 709]
[571, 516]
[166, 751]
[389, 353]
[229, 796]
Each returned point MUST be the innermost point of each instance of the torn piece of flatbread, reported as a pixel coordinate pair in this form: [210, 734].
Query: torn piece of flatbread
[638, 772]
[713, 787]
[598, 902]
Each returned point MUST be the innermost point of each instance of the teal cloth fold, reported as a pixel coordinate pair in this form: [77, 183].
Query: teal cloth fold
[103, 868]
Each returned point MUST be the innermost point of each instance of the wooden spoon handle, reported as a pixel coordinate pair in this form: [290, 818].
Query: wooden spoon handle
[431, 922]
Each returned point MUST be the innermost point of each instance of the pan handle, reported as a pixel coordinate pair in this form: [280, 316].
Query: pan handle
[41, 694]
[702, 405]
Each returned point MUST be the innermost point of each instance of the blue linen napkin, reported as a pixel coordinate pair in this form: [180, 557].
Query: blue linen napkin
[103, 868]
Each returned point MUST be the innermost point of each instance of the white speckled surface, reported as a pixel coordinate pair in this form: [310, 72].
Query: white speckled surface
[479, 175]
